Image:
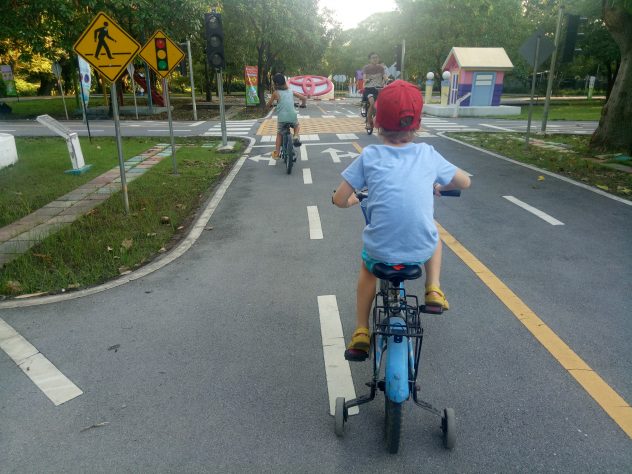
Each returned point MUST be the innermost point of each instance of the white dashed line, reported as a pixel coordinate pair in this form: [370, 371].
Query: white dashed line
[337, 370]
[315, 229]
[55, 385]
[496, 127]
[542, 215]
[307, 176]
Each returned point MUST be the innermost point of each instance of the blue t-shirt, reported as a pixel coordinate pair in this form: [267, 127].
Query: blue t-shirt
[400, 206]
[285, 106]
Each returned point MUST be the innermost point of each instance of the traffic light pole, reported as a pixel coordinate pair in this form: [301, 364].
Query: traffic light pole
[165, 88]
[119, 147]
[549, 86]
[222, 116]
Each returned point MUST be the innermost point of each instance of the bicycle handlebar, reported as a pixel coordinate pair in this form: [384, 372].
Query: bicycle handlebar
[361, 195]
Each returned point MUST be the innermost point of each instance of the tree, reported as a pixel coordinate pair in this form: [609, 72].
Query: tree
[613, 132]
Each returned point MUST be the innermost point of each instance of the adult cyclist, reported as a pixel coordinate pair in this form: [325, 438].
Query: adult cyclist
[375, 76]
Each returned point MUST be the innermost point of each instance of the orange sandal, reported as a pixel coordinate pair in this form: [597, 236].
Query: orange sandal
[358, 348]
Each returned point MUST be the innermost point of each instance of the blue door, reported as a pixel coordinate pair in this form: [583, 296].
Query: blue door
[483, 88]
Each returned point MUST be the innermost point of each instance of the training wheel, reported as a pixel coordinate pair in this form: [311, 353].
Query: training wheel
[340, 416]
[448, 426]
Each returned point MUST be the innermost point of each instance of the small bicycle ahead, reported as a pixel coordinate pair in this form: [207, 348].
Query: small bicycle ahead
[287, 145]
[396, 344]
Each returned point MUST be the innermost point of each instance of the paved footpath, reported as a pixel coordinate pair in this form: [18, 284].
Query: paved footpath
[18, 237]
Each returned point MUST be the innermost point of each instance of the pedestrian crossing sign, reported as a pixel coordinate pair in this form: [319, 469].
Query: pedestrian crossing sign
[162, 54]
[107, 46]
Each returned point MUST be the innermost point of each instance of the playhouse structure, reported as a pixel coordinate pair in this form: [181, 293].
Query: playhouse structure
[475, 82]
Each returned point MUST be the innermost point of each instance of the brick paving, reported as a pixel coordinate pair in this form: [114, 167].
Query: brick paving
[21, 235]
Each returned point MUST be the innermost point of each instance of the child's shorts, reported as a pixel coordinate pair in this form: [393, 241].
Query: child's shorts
[281, 124]
[370, 262]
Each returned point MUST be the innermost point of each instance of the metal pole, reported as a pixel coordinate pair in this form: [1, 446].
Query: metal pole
[535, 70]
[549, 86]
[173, 144]
[134, 95]
[119, 146]
[403, 56]
[222, 117]
[63, 99]
[191, 75]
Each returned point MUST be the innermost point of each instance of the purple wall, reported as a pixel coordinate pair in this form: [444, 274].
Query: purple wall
[464, 89]
[498, 90]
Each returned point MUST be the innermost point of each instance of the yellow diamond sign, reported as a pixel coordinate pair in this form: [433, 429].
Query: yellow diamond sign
[107, 46]
[162, 54]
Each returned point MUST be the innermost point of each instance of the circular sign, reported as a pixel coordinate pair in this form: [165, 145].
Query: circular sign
[311, 85]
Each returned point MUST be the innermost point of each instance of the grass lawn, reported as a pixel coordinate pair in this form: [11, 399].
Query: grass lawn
[573, 158]
[38, 177]
[28, 108]
[106, 242]
[559, 110]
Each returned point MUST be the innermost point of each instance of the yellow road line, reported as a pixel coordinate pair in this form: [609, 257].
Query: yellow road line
[613, 404]
[357, 146]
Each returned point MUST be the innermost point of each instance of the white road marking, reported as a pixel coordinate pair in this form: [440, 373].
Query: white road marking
[311, 138]
[347, 136]
[497, 127]
[307, 176]
[328, 116]
[160, 130]
[303, 153]
[315, 229]
[268, 138]
[197, 123]
[542, 215]
[55, 385]
[1, 130]
[337, 370]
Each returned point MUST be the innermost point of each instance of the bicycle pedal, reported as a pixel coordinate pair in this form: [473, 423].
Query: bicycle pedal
[430, 309]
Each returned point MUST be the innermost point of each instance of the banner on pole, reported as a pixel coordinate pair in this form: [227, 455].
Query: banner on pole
[250, 79]
[9, 81]
[86, 79]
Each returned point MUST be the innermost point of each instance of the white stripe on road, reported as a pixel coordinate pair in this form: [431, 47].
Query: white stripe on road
[315, 229]
[38, 368]
[496, 127]
[542, 215]
[303, 153]
[197, 123]
[163, 130]
[347, 136]
[307, 176]
[7, 130]
[337, 371]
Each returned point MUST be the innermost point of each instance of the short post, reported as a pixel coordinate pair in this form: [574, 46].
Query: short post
[119, 147]
[165, 89]
[429, 84]
[222, 116]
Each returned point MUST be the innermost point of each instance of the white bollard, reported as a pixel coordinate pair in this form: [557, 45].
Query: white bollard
[8, 152]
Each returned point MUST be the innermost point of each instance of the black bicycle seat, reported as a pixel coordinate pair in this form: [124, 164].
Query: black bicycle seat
[397, 273]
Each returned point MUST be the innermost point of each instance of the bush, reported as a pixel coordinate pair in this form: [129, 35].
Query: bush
[25, 88]
[3, 88]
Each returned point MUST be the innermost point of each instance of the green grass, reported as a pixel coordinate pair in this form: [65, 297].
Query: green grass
[570, 110]
[106, 242]
[30, 108]
[38, 177]
[581, 164]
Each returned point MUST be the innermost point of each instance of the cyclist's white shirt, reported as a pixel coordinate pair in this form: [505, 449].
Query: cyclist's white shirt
[400, 206]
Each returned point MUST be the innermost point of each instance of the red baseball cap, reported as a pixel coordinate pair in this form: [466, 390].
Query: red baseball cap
[399, 107]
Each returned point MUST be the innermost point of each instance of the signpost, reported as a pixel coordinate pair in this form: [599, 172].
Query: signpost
[130, 71]
[536, 49]
[94, 46]
[57, 72]
[163, 55]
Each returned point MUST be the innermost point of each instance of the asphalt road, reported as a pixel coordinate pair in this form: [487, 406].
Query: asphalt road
[215, 362]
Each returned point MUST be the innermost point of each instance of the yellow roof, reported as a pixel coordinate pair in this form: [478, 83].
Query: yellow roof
[481, 58]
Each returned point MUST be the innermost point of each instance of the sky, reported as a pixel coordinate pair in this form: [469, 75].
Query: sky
[351, 12]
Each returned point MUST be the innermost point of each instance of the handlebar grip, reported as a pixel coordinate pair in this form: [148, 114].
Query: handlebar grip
[452, 192]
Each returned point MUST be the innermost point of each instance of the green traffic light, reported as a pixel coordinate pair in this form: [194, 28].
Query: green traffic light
[162, 65]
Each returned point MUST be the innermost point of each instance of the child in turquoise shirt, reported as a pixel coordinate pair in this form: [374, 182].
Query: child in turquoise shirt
[285, 110]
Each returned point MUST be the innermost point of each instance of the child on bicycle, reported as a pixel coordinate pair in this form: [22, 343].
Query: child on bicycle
[285, 111]
[402, 177]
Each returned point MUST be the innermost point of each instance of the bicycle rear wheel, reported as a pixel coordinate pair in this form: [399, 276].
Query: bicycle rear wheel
[289, 153]
[392, 424]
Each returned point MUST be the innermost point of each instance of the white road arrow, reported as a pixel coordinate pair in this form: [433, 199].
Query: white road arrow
[337, 154]
[257, 158]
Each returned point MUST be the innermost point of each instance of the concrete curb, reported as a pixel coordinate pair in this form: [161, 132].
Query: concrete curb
[540, 170]
[194, 233]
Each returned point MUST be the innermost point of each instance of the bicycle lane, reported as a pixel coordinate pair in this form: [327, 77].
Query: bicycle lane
[589, 409]
[225, 349]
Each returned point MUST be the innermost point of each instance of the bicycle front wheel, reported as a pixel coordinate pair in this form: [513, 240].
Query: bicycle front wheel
[392, 424]
[289, 153]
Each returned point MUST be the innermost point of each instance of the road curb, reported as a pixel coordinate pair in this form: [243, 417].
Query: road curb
[540, 170]
[194, 233]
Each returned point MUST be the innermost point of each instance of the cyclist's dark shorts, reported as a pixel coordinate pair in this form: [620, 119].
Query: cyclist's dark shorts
[280, 126]
[369, 91]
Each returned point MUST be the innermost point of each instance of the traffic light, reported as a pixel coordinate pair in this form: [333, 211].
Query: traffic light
[214, 40]
[398, 57]
[572, 32]
[162, 61]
